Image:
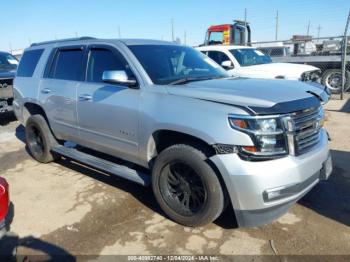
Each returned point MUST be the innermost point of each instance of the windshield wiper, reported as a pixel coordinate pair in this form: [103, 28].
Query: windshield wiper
[192, 79]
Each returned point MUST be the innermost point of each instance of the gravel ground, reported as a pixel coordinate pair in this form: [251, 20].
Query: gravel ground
[66, 208]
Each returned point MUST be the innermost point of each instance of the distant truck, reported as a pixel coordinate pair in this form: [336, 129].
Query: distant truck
[237, 33]
[8, 66]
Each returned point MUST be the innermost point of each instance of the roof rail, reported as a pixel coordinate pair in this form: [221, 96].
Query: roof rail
[63, 40]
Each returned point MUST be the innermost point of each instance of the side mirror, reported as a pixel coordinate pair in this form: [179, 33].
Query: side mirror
[118, 77]
[227, 64]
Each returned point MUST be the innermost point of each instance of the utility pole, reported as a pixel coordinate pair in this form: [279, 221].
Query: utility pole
[119, 34]
[343, 60]
[308, 28]
[172, 30]
[185, 36]
[245, 23]
[318, 31]
[10, 45]
[276, 34]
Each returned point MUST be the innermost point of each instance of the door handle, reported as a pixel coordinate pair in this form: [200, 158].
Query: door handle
[85, 97]
[45, 91]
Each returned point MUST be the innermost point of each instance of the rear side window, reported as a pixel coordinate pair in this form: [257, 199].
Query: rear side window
[29, 62]
[67, 65]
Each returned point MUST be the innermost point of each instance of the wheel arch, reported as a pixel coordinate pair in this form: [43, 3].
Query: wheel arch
[30, 108]
[163, 138]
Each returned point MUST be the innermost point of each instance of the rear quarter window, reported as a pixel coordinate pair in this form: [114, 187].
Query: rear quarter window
[29, 62]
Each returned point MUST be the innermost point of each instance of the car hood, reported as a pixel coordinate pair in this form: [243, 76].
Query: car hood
[272, 70]
[261, 96]
[5, 74]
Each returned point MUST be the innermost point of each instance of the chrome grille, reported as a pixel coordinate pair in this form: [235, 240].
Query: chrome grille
[306, 129]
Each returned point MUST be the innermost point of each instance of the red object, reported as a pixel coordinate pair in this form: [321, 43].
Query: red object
[219, 28]
[4, 198]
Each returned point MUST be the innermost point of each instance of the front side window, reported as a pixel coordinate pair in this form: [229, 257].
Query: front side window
[249, 57]
[29, 62]
[67, 65]
[166, 64]
[218, 56]
[216, 37]
[101, 60]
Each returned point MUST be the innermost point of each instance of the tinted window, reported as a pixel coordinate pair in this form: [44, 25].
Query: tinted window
[101, 60]
[29, 62]
[249, 57]
[166, 64]
[218, 57]
[67, 65]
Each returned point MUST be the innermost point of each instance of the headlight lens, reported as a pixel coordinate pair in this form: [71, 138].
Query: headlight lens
[311, 76]
[266, 133]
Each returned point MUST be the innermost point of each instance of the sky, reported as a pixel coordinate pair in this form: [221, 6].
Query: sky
[25, 22]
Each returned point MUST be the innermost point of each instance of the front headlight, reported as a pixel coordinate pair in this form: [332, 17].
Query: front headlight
[311, 76]
[267, 135]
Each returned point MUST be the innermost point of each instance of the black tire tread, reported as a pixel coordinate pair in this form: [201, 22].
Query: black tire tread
[49, 140]
[214, 209]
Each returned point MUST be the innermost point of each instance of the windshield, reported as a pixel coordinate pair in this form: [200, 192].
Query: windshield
[249, 57]
[168, 64]
[8, 61]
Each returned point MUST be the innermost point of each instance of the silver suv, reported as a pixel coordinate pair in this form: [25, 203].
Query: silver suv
[165, 115]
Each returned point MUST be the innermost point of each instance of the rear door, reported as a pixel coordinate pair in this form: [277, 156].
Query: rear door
[108, 113]
[58, 90]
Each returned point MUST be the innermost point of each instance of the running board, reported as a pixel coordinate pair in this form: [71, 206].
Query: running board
[104, 165]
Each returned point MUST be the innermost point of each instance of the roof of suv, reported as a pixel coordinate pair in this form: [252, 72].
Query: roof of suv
[87, 40]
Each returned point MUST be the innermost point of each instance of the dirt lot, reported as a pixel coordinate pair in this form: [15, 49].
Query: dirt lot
[66, 208]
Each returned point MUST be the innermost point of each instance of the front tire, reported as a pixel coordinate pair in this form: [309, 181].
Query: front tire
[186, 187]
[332, 78]
[39, 139]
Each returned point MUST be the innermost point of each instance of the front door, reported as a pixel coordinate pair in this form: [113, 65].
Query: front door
[108, 113]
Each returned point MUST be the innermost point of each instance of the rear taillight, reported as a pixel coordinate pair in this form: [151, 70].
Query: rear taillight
[4, 198]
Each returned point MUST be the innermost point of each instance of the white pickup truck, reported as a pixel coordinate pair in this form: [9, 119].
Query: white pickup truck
[244, 61]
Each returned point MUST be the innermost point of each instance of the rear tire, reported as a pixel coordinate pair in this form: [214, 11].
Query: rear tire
[186, 187]
[39, 139]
